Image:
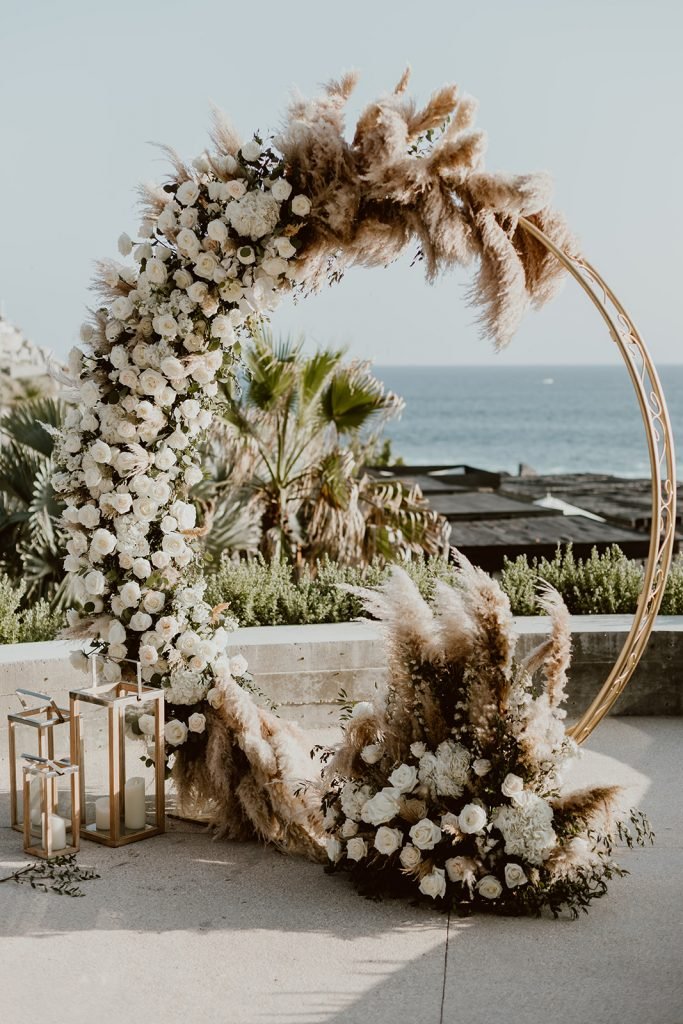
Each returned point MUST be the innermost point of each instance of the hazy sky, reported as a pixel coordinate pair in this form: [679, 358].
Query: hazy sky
[587, 89]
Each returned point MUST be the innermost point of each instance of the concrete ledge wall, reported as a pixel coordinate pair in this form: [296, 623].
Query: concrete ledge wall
[304, 668]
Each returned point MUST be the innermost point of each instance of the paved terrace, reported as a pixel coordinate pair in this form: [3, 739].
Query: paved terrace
[183, 929]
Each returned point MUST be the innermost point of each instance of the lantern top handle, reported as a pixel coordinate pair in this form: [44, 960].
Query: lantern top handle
[48, 701]
[93, 656]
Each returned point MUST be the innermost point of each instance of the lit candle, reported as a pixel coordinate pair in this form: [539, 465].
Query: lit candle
[58, 829]
[102, 814]
[135, 814]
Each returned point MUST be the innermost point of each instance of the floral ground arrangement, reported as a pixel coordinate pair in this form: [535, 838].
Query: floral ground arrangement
[449, 788]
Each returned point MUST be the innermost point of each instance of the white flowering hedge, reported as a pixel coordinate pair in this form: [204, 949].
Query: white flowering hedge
[217, 249]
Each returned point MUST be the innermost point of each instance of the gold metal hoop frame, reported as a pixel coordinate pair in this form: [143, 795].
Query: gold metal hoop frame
[660, 444]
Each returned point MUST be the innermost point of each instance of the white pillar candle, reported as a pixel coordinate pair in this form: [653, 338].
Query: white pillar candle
[102, 814]
[58, 829]
[135, 814]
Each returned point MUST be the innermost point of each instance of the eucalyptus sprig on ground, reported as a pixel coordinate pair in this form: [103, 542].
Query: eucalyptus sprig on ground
[60, 875]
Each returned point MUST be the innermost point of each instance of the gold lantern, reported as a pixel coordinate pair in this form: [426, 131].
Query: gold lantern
[115, 808]
[52, 826]
[41, 730]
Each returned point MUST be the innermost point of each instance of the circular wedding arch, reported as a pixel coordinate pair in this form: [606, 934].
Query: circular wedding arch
[660, 443]
[222, 239]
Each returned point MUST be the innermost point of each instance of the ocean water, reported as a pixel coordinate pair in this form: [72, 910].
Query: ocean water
[557, 419]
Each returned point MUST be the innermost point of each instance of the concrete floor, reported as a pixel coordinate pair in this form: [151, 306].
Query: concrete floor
[181, 928]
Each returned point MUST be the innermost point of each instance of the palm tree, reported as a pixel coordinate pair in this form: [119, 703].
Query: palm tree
[296, 441]
[31, 541]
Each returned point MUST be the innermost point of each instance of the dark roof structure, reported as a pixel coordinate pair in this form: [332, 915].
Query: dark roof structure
[493, 515]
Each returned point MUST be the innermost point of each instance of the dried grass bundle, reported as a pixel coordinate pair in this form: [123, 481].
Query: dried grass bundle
[412, 172]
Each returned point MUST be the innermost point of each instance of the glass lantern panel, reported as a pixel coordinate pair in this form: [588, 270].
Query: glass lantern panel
[137, 781]
[45, 741]
[93, 759]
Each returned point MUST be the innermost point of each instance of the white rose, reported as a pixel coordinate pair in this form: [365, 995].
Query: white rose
[111, 671]
[175, 732]
[172, 368]
[363, 709]
[196, 722]
[182, 278]
[140, 622]
[103, 543]
[205, 264]
[234, 189]
[481, 766]
[489, 887]
[185, 513]
[274, 266]
[460, 869]
[146, 725]
[128, 378]
[188, 642]
[472, 818]
[334, 849]
[217, 230]
[142, 570]
[514, 875]
[189, 218]
[165, 458]
[151, 382]
[165, 325]
[372, 753]
[130, 595]
[148, 655]
[161, 559]
[125, 245]
[122, 307]
[174, 545]
[284, 248]
[93, 476]
[95, 582]
[154, 601]
[156, 272]
[425, 834]
[301, 206]
[215, 697]
[116, 632]
[222, 328]
[238, 665]
[512, 785]
[251, 151]
[404, 778]
[349, 828]
[190, 408]
[90, 393]
[192, 475]
[167, 627]
[178, 440]
[434, 884]
[145, 509]
[388, 840]
[382, 807]
[356, 848]
[187, 193]
[410, 857]
[187, 242]
[281, 189]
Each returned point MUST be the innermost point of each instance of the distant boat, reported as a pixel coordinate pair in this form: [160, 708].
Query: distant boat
[548, 380]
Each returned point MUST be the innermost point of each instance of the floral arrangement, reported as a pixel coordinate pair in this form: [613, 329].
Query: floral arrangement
[220, 243]
[450, 787]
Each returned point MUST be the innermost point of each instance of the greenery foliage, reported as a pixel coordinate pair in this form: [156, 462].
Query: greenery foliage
[31, 538]
[286, 465]
[270, 593]
[607, 584]
[37, 622]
